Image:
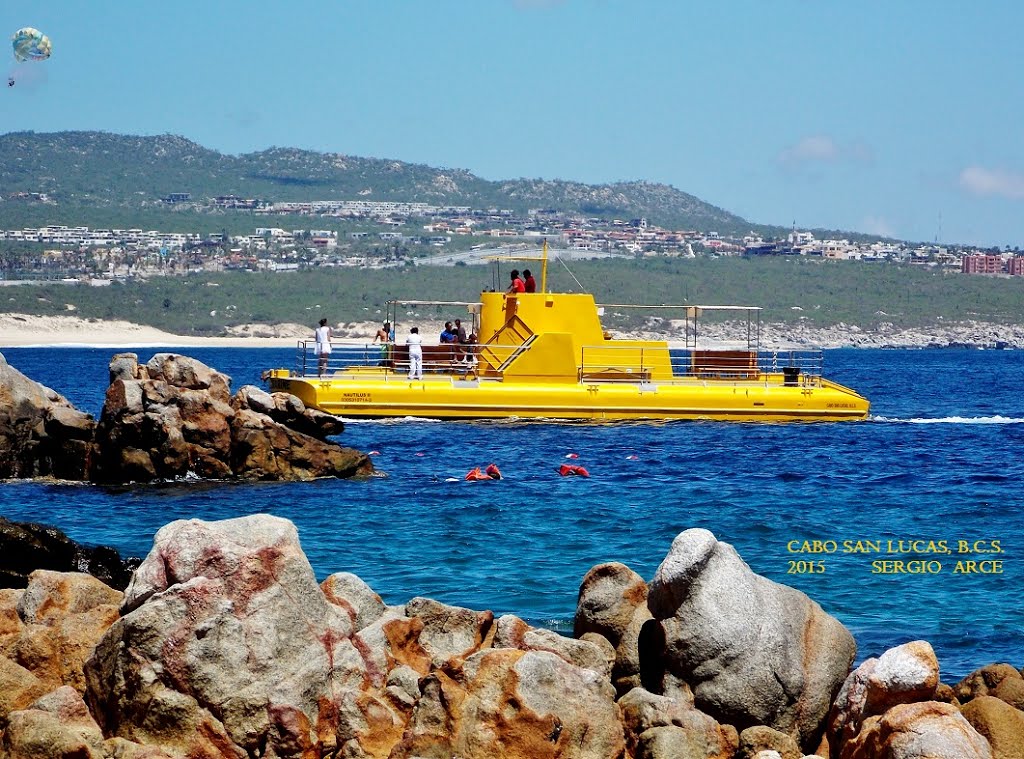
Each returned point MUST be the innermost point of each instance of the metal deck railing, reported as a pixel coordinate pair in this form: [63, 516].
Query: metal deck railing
[600, 363]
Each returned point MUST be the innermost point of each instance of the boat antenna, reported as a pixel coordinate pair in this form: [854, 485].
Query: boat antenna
[544, 267]
[578, 283]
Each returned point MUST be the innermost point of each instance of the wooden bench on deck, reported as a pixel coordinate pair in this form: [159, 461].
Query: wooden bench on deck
[731, 364]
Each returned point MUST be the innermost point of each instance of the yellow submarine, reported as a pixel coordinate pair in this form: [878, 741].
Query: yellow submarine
[545, 355]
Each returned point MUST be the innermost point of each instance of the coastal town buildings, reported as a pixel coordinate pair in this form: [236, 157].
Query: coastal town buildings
[979, 263]
[386, 233]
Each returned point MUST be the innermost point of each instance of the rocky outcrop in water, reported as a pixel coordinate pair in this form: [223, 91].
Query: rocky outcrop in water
[224, 645]
[41, 433]
[171, 418]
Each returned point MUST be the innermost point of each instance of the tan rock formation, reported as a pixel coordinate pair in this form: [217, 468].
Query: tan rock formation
[1000, 680]
[613, 603]
[902, 675]
[1001, 724]
[925, 730]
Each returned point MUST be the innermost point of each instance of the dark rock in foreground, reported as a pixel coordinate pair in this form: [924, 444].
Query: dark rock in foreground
[224, 645]
[171, 418]
[26, 547]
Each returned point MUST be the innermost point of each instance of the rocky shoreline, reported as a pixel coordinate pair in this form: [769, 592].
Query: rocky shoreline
[968, 334]
[962, 335]
[225, 645]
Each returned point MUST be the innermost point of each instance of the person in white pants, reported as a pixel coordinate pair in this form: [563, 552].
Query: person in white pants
[323, 347]
[414, 341]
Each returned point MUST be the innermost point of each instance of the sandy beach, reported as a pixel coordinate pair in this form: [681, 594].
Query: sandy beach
[22, 331]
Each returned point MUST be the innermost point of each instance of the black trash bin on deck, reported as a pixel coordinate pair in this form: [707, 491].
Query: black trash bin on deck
[791, 376]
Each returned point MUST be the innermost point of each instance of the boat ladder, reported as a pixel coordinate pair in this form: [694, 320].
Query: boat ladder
[520, 350]
[498, 358]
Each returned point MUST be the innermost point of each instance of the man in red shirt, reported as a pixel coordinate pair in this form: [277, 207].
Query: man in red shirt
[517, 285]
[529, 281]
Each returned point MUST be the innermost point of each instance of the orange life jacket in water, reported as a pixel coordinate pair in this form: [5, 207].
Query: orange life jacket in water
[567, 470]
[476, 474]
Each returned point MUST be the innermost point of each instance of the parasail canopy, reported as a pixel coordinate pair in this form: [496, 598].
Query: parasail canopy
[31, 45]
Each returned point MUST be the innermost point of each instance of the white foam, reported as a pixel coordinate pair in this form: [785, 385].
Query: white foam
[389, 420]
[951, 420]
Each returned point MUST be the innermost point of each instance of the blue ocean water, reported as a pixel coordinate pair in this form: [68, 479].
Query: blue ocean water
[939, 460]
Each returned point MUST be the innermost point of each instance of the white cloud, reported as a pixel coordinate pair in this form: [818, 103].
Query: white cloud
[821, 148]
[1005, 184]
[531, 4]
[815, 148]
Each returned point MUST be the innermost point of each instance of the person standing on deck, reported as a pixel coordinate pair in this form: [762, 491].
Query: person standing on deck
[460, 340]
[323, 347]
[529, 282]
[415, 344]
[517, 285]
[386, 335]
[447, 336]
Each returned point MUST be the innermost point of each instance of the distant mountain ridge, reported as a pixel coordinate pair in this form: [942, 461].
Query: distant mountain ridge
[102, 169]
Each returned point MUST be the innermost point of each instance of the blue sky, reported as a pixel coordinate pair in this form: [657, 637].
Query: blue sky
[901, 118]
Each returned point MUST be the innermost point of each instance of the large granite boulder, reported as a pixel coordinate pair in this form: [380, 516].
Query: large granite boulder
[227, 646]
[228, 641]
[41, 433]
[26, 547]
[753, 651]
[175, 418]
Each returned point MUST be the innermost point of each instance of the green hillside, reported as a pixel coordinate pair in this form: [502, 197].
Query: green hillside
[97, 176]
[822, 293]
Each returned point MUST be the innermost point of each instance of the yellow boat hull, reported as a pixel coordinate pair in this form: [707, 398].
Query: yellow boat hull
[367, 394]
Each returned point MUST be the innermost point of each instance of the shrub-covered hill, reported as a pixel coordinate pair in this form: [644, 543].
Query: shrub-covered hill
[792, 291]
[99, 169]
